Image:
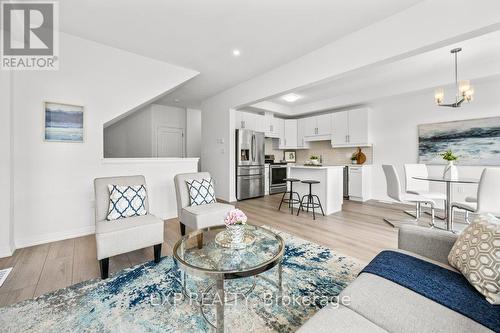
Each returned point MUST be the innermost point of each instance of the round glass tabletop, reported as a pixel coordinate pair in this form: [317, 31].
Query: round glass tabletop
[448, 180]
[198, 253]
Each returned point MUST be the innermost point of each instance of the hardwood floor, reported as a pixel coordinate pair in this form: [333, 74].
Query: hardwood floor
[358, 231]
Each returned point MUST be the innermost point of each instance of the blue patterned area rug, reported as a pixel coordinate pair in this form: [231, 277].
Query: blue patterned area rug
[148, 298]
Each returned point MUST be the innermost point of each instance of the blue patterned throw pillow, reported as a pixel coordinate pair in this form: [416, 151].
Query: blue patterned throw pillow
[201, 192]
[126, 201]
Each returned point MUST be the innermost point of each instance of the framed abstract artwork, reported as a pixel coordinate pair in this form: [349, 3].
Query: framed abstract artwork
[63, 122]
[475, 141]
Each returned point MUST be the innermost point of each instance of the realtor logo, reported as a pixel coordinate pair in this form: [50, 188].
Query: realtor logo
[30, 36]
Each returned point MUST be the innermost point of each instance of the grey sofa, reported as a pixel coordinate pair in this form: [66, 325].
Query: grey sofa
[373, 304]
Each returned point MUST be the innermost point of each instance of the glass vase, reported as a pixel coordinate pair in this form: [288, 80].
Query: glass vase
[236, 233]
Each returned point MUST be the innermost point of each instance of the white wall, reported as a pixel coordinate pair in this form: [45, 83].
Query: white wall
[348, 54]
[53, 191]
[394, 129]
[134, 136]
[6, 217]
[130, 137]
[193, 133]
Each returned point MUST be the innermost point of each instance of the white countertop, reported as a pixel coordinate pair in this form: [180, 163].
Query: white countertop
[316, 167]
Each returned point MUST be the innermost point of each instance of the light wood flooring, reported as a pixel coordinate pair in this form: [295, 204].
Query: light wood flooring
[358, 231]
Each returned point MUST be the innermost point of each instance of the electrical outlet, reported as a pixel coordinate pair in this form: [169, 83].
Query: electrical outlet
[460, 189]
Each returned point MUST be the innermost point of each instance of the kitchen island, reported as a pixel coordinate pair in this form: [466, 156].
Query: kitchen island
[329, 191]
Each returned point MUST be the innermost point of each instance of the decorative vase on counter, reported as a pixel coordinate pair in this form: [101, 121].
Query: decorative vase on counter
[450, 171]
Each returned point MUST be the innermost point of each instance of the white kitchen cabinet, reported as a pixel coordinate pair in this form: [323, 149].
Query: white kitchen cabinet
[350, 128]
[317, 127]
[324, 124]
[358, 127]
[290, 135]
[308, 126]
[302, 127]
[279, 127]
[273, 126]
[340, 128]
[359, 182]
[248, 120]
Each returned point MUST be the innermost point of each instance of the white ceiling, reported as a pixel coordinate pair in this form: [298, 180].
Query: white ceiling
[479, 58]
[201, 35]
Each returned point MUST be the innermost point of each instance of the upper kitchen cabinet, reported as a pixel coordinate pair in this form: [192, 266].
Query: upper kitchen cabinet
[248, 120]
[350, 128]
[303, 128]
[290, 134]
[324, 124]
[273, 126]
[317, 128]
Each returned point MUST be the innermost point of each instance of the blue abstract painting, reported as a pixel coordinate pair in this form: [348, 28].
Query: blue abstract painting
[475, 141]
[63, 122]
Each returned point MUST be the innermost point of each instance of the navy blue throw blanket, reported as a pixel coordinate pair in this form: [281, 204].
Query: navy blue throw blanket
[439, 284]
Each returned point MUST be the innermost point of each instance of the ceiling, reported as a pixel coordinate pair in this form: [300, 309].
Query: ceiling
[201, 35]
[480, 58]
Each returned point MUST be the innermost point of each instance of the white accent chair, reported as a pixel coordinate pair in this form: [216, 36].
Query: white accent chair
[420, 187]
[197, 217]
[394, 192]
[488, 196]
[127, 234]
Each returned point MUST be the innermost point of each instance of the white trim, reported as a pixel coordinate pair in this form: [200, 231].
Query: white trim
[6, 251]
[150, 160]
[55, 236]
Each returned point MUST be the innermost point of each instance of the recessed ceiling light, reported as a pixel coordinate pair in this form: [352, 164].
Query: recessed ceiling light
[236, 53]
[290, 98]
[176, 100]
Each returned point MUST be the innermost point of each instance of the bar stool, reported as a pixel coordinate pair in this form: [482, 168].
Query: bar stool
[310, 200]
[290, 201]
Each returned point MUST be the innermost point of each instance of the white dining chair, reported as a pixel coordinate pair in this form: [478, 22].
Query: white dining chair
[394, 192]
[488, 196]
[420, 187]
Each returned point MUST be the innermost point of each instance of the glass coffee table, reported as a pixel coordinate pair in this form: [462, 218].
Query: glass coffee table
[198, 254]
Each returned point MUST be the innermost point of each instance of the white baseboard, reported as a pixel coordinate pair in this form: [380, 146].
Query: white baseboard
[57, 236]
[6, 251]
[53, 237]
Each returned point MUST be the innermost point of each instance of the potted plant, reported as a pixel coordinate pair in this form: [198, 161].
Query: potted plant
[314, 159]
[235, 221]
[450, 170]
[354, 158]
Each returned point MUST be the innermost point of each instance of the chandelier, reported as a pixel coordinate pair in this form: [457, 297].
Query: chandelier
[464, 91]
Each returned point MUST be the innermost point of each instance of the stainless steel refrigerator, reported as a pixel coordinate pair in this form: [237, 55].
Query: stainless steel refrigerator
[249, 164]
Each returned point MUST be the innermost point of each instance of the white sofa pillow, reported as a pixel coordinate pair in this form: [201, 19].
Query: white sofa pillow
[476, 254]
[126, 201]
[201, 192]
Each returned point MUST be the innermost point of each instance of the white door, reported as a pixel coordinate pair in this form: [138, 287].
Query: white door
[358, 126]
[340, 122]
[169, 142]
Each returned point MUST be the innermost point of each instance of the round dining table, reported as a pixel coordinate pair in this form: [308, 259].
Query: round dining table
[449, 182]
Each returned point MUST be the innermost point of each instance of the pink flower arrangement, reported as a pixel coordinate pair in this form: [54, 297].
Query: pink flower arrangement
[235, 216]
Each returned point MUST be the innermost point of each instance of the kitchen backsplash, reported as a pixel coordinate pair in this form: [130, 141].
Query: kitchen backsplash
[278, 154]
[331, 156]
